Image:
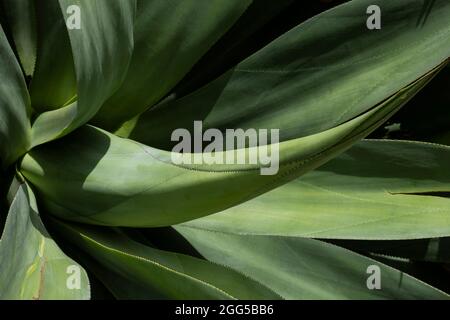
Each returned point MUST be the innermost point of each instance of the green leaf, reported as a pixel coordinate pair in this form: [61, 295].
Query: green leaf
[131, 270]
[169, 38]
[54, 82]
[148, 178]
[21, 20]
[299, 268]
[141, 193]
[378, 189]
[14, 106]
[102, 51]
[261, 22]
[33, 267]
[319, 75]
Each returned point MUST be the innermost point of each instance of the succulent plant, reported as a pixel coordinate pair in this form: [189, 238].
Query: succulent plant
[91, 92]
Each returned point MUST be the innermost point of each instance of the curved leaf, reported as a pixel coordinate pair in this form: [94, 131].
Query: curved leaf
[299, 268]
[14, 106]
[376, 190]
[102, 51]
[331, 63]
[134, 271]
[22, 23]
[149, 180]
[54, 82]
[33, 267]
[261, 22]
[169, 38]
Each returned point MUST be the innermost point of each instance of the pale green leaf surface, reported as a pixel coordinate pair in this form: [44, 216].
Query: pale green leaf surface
[145, 180]
[378, 189]
[135, 271]
[299, 268]
[102, 51]
[32, 266]
[148, 178]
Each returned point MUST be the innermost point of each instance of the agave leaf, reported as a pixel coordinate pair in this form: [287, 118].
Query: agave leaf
[261, 22]
[14, 106]
[378, 189]
[104, 203]
[299, 268]
[33, 267]
[102, 51]
[21, 20]
[141, 193]
[54, 82]
[131, 270]
[318, 75]
[169, 38]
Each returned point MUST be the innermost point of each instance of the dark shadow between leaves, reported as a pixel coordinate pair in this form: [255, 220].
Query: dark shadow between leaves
[5, 183]
[434, 250]
[169, 239]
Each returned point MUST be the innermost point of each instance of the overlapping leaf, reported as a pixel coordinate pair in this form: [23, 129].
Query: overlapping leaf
[320, 74]
[376, 190]
[33, 267]
[326, 84]
[54, 83]
[14, 106]
[135, 271]
[261, 22]
[102, 50]
[169, 38]
[146, 181]
[299, 268]
[21, 21]
[142, 192]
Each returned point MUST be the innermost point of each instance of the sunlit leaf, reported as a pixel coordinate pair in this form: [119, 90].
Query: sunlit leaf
[299, 268]
[376, 190]
[33, 267]
[135, 271]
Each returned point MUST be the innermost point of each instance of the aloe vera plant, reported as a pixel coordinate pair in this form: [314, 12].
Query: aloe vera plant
[91, 92]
